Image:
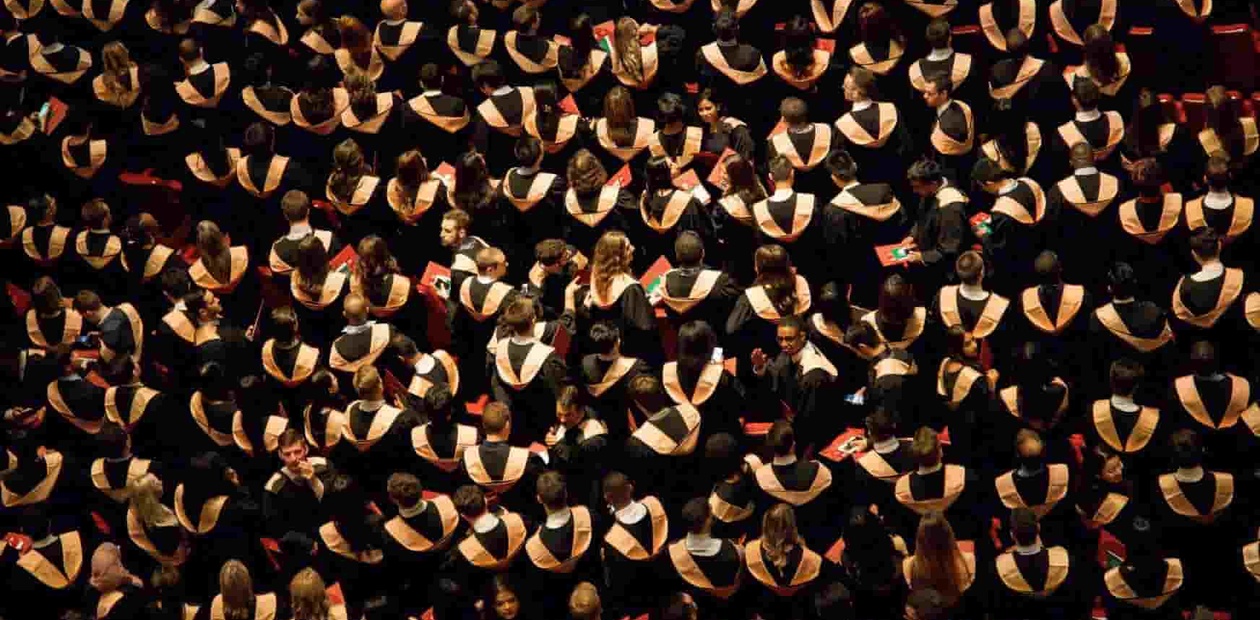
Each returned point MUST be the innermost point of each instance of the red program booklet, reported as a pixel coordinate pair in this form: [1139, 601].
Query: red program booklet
[894, 254]
[622, 178]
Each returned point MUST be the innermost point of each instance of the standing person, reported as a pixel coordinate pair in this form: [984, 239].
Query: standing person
[527, 373]
[781, 562]
[953, 132]
[615, 295]
[607, 375]
[504, 471]
[875, 134]
[800, 378]
[940, 563]
[1032, 571]
[632, 545]
[559, 551]
[807, 485]
[777, 293]
[710, 567]
[692, 291]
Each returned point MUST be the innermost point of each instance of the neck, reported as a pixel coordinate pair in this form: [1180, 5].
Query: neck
[1028, 549]
[884, 446]
[407, 513]
[497, 437]
[972, 289]
[930, 469]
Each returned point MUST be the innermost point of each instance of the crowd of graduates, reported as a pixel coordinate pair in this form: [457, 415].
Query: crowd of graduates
[673, 309]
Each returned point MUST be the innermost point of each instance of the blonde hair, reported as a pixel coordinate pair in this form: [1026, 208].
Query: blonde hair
[629, 55]
[237, 590]
[214, 250]
[144, 495]
[779, 534]
[937, 562]
[308, 596]
[116, 68]
[610, 260]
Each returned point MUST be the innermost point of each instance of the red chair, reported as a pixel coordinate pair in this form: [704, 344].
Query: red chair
[1234, 50]
[1194, 106]
[1172, 108]
[969, 39]
[160, 198]
[1143, 48]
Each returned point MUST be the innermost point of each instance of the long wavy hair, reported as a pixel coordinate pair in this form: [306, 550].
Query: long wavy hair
[620, 116]
[775, 274]
[779, 535]
[629, 55]
[215, 253]
[611, 259]
[311, 269]
[308, 596]
[357, 39]
[410, 172]
[1100, 54]
[473, 192]
[237, 589]
[937, 562]
[375, 260]
[116, 69]
[145, 496]
[349, 166]
[798, 44]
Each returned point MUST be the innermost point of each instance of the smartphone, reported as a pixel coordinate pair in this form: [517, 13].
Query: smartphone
[855, 399]
[717, 355]
[84, 341]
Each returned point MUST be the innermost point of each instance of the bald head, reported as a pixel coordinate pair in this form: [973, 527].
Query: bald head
[394, 9]
[355, 309]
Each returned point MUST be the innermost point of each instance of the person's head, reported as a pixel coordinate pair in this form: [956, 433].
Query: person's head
[202, 306]
[584, 602]
[355, 309]
[113, 440]
[292, 449]
[312, 263]
[488, 76]
[881, 425]
[927, 603]
[670, 109]
[1217, 173]
[725, 25]
[612, 256]
[833, 304]
[210, 240]
[711, 108]
[864, 339]
[307, 595]
[1102, 463]
[938, 34]
[296, 206]
[925, 448]
[781, 439]
[988, 176]
[528, 151]
[781, 171]
[1205, 245]
[696, 342]
[680, 606]
[779, 533]
[1048, 268]
[404, 489]
[696, 516]
[645, 392]
[465, 12]
[454, 228]
[1221, 114]
[42, 208]
[237, 589]
[1125, 375]
[491, 263]
[496, 421]
[925, 177]
[794, 111]
[1100, 54]
[394, 9]
[876, 25]
[1030, 450]
[618, 489]
[1148, 178]
[937, 89]
[619, 110]
[970, 268]
[258, 140]
[189, 51]
[46, 296]
[525, 19]
[569, 409]
[1085, 95]
[469, 501]
[1122, 281]
[1203, 361]
[439, 403]
[790, 334]
[551, 491]
[742, 177]
[520, 316]
[1024, 526]
[859, 84]
[368, 384]
[504, 597]
[89, 304]
[108, 572]
[605, 338]
[585, 174]
[1187, 449]
[1081, 156]
[688, 249]
[842, 167]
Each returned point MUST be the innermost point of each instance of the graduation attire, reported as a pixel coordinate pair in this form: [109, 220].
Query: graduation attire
[801, 389]
[1197, 524]
[1081, 202]
[507, 473]
[665, 444]
[780, 584]
[289, 502]
[1209, 309]
[755, 318]
[1138, 591]
[1040, 582]
[358, 346]
[717, 576]
[1139, 330]
[983, 318]
[1018, 228]
[527, 376]
[1103, 134]
[626, 305]
[629, 551]
[808, 487]
[79, 404]
[953, 135]
[697, 294]
[939, 231]
[47, 575]
[481, 554]
[1222, 409]
[372, 435]
[964, 394]
[560, 556]
[878, 141]
[606, 382]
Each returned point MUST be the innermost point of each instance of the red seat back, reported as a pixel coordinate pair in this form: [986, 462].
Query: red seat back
[1234, 49]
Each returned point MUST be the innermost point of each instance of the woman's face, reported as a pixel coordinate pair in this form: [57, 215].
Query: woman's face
[304, 19]
[506, 605]
[708, 111]
[1113, 470]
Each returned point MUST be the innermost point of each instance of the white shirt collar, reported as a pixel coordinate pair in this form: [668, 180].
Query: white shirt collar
[1124, 403]
[1218, 200]
[782, 193]
[1189, 476]
[858, 106]
[500, 91]
[358, 329]
[1210, 271]
[431, 93]
[973, 292]
[784, 460]
[888, 445]
[1032, 549]
[1009, 187]
[395, 22]
[1086, 171]
[371, 405]
[485, 279]
[851, 185]
[485, 523]
[408, 513]
[559, 518]
[424, 364]
[940, 109]
[703, 545]
[1088, 116]
[631, 513]
[297, 231]
[937, 55]
[198, 66]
